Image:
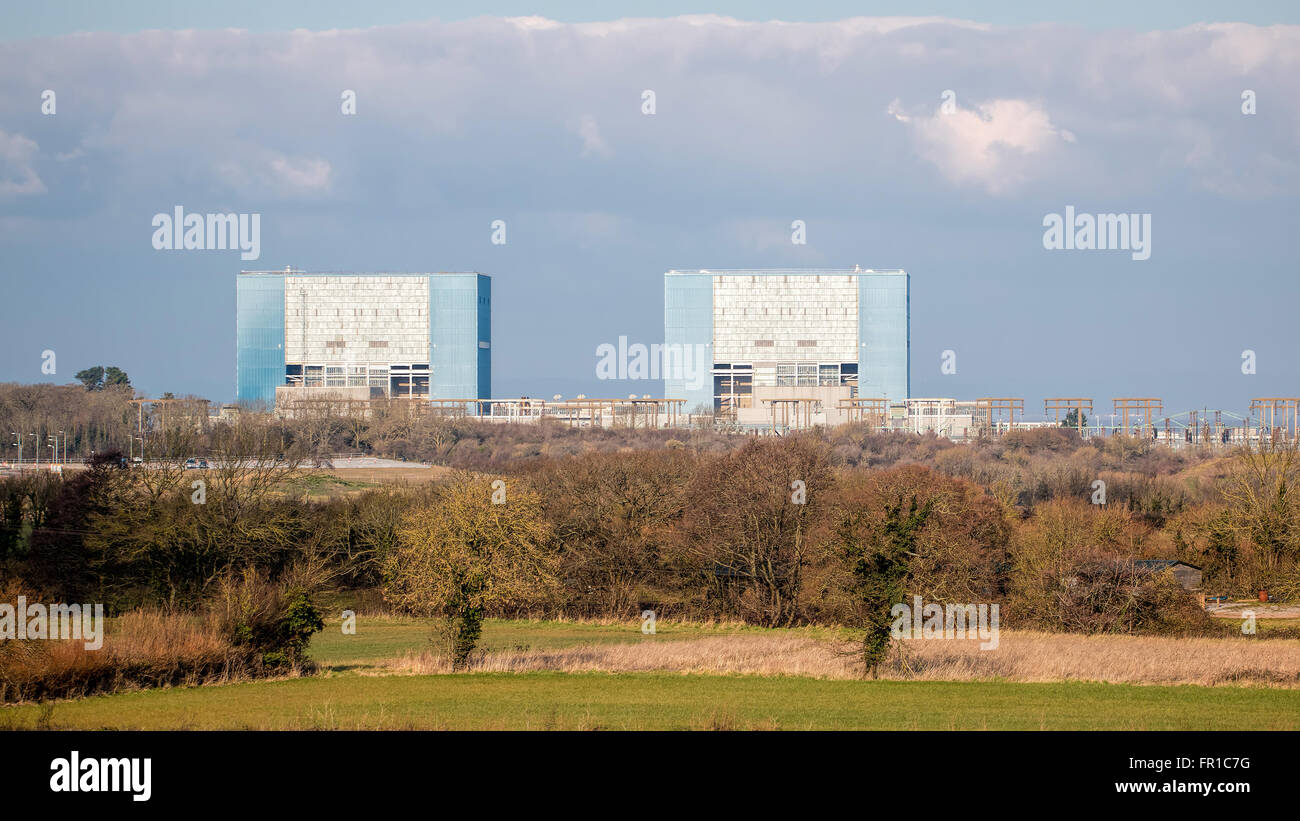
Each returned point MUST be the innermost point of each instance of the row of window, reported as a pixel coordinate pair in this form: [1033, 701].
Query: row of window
[733, 385]
[392, 380]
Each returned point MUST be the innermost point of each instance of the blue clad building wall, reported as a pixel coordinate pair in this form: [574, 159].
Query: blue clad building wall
[460, 310]
[688, 322]
[259, 336]
[484, 337]
[884, 335]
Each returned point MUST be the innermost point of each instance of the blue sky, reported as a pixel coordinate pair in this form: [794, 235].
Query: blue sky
[835, 119]
[54, 17]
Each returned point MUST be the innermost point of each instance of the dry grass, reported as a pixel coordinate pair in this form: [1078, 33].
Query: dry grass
[1021, 656]
[143, 649]
[385, 475]
[153, 634]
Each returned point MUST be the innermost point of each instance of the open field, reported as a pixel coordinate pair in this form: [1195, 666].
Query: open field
[590, 675]
[645, 701]
[340, 481]
[321, 483]
[384, 645]
[1022, 657]
[413, 475]
[382, 639]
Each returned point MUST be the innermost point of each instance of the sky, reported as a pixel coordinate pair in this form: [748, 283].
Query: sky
[53, 17]
[937, 144]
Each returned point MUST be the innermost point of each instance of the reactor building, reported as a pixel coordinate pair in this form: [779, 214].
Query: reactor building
[363, 336]
[788, 336]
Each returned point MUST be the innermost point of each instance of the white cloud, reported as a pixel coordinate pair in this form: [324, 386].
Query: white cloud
[301, 173]
[995, 146]
[269, 173]
[533, 23]
[1247, 48]
[592, 141]
[18, 175]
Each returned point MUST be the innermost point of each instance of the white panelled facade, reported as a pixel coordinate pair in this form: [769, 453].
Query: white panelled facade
[358, 332]
[356, 319]
[783, 318]
[778, 335]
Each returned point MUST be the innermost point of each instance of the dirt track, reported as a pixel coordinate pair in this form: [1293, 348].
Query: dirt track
[1262, 610]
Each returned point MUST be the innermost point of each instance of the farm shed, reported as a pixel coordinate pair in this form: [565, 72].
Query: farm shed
[1188, 575]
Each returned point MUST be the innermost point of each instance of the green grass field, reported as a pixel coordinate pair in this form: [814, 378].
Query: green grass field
[592, 701]
[389, 638]
[349, 694]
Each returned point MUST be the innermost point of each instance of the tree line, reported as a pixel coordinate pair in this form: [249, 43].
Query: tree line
[773, 531]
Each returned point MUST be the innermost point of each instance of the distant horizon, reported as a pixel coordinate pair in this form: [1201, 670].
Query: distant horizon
[1091, 417]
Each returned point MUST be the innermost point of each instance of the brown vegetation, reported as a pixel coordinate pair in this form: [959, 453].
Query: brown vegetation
[1021, 656]
[143, 649]
[690, 524]
[688, 532]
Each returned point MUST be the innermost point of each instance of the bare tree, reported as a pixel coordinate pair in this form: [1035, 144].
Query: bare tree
[1260, 491]
[747, 522]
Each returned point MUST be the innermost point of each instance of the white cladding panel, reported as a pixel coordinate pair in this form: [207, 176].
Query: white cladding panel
[766, 318]
[356, 319]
